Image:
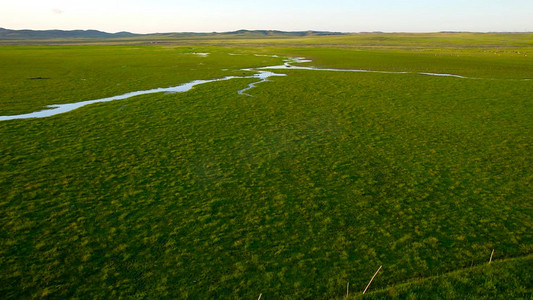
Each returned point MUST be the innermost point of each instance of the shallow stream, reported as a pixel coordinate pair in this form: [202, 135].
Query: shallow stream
[262, 75]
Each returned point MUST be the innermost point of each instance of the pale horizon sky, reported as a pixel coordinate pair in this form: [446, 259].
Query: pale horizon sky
[151, 16]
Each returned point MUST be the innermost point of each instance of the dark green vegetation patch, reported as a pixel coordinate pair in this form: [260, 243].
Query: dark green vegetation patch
[315, 181]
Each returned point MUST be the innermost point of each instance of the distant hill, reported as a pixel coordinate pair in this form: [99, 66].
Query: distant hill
[250, 33]
[280, 33]
[8, 34]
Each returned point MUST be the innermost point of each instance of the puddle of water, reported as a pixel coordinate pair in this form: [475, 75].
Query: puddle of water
[297, 60]
[265, 55]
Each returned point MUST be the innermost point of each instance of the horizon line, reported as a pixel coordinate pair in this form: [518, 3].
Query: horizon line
[279, 30]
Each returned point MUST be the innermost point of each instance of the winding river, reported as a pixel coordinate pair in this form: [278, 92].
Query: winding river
[55, 109]
[262, 74]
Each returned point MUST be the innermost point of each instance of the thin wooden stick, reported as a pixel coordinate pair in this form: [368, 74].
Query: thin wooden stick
[490, 260]
[260, 296]
[347, 289]
[372, 279]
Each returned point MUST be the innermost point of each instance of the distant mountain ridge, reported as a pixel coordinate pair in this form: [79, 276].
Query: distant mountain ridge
[57, 34]
[278, 32]
[9, 34]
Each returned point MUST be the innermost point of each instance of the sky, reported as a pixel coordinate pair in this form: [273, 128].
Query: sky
[150, 16]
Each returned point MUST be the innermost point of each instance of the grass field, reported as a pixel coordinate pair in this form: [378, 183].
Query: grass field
[499, 280]
[315, 181]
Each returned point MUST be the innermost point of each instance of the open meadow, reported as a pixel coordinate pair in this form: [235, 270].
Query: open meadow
[311, 181]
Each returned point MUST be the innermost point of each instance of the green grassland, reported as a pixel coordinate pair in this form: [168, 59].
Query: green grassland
[510, 279]
[457, 40]
[315, 181]
[72, 74]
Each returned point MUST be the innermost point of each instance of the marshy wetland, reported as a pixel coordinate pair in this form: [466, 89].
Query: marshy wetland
[316, 180]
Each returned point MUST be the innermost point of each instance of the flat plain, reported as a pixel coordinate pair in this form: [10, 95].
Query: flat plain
[315, 181]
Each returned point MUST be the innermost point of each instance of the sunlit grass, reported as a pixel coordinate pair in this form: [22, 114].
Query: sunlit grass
[313, 182]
